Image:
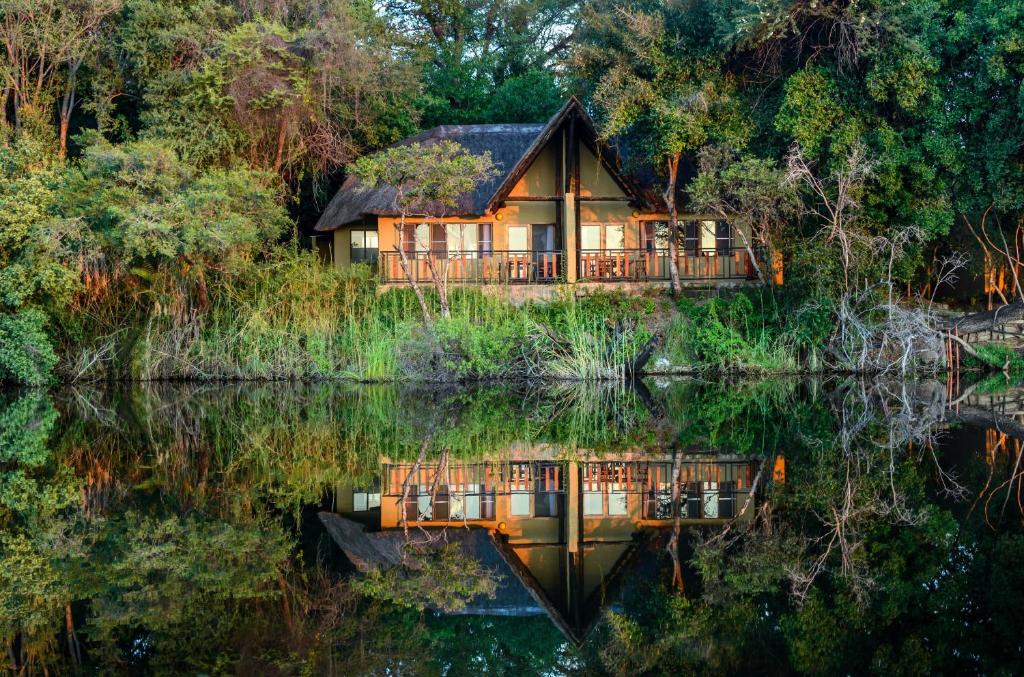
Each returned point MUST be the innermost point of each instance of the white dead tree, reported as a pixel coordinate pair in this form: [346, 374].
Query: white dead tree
[836, 199]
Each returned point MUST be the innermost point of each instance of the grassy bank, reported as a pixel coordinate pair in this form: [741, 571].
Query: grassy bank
[291, 318]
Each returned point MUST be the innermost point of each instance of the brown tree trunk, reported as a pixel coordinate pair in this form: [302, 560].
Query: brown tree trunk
[677, 524]
[408, 271]
[673, 224]
[440, 284]
[67, 103]
[73, 649]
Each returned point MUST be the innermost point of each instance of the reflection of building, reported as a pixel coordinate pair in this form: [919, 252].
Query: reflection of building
[565, 528]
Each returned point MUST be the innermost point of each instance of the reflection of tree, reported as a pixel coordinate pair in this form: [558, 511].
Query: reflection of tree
[854, 563]
[430, 576]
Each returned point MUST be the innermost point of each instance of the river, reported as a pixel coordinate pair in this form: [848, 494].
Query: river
[667, 527]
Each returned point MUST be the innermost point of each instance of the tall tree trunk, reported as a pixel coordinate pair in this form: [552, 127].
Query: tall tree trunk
[73, 648]
[673, 223]
[67, 103]
[677, 523]
[440, 281]
[407, 269]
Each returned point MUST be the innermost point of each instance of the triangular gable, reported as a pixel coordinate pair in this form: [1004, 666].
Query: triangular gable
[576, 619]
[572, 111]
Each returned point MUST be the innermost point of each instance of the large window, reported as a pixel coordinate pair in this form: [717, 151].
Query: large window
[364, 246]
[607, 236]
[518, 239]
[707, 237]
[653, 236]
[443, 239]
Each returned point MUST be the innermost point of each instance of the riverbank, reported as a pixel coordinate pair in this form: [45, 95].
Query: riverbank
[292, 319]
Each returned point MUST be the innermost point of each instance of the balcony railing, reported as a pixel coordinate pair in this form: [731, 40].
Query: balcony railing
[513, 267]
[624, 265]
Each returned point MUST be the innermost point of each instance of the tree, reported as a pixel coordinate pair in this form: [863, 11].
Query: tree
[654, 83]
[299, 92]
[46, 41]
[473, 53]
[428, 181]
[40, 257]
[146, 208]
[752, 193]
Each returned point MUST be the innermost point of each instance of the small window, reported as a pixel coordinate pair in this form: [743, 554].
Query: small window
[520, 504]
[517, 239]
[486, 239]
[590, 237]
[364, 246]
[691, 242]
[593, 503]
[723, 237]
[708, 235]
[438, 239]
[615, 237]
[363, 501]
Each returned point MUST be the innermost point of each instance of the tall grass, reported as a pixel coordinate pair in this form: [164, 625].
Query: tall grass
[291, 318]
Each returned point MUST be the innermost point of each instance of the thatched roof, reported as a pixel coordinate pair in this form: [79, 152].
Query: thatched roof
[506, 144]
[512, 147]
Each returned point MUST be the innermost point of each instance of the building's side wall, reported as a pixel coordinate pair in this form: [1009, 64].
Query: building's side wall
[539, 179]
[342, 247]
[594, 178]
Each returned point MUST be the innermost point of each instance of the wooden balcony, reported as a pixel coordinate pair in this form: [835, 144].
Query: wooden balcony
[639, 265]
[468, 267]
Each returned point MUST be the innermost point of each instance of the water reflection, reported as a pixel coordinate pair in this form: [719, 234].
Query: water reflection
[675, 527]
[559, 533]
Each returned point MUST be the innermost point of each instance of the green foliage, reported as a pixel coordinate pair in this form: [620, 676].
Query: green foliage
[428, 180]
[26, 353]
[740, 331]
[1001, 357]
[442, 578]
[150, 207]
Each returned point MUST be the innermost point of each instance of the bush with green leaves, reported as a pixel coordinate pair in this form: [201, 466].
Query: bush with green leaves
[26, 352]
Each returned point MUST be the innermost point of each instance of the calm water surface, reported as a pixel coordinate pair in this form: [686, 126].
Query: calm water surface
[671, 527]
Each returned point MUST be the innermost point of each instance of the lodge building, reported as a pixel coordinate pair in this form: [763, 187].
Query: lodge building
[560, 208]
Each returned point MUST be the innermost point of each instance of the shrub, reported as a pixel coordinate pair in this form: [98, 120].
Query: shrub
[26, 353]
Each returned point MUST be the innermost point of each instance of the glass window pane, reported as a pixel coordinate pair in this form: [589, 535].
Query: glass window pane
[424, 507]
[422, 237]
[707, 235]
[472, 507]
[590, 237]
[520, 504]
[371, 239]
[462, 237]
[486, 239]
[373, 501]
[617, 503]
[358, 238]
[456, 506]
[359, 501]
[593, 503]
[711, 499]
[615, 236]
[517, 239]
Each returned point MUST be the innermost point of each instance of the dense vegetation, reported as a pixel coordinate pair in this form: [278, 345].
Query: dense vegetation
[160, 160]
